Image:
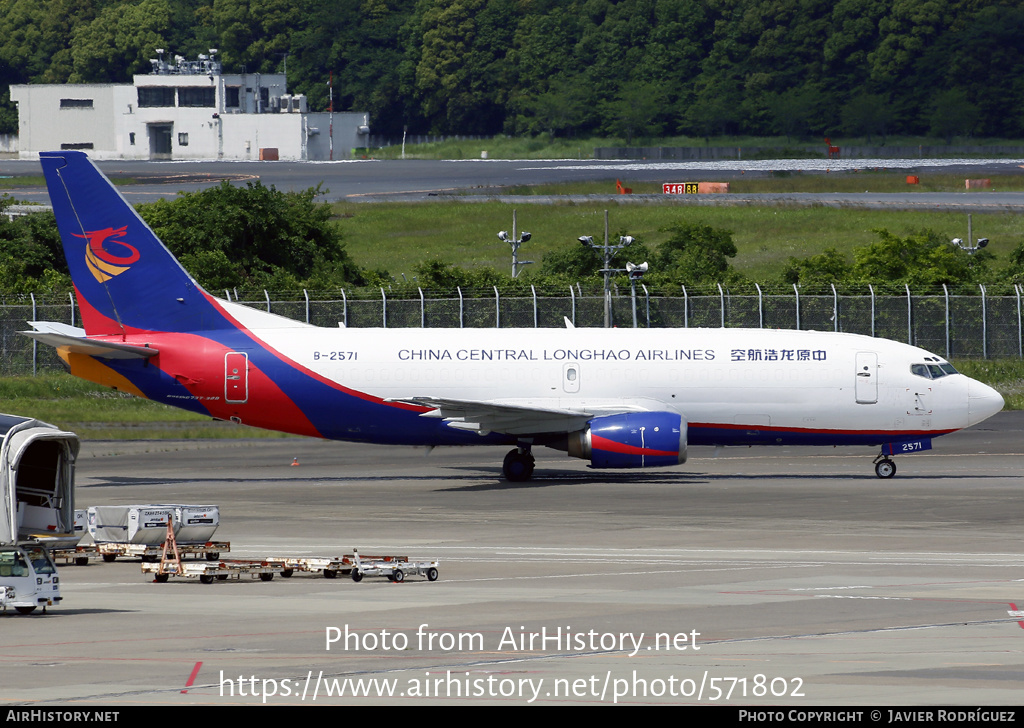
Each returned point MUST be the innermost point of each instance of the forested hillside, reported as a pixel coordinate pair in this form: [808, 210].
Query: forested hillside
[800, 68]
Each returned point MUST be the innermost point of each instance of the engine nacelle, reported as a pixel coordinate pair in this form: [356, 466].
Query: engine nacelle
[631, 440]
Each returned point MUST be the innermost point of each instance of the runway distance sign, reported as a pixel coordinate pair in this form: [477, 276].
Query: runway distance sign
[680, 188]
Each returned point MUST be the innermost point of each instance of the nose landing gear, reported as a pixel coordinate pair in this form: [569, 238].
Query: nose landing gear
[884, 466]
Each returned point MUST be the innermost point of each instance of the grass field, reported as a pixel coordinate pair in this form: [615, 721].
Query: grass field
[396, 236]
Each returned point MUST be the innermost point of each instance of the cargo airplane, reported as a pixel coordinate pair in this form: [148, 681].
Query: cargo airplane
[619, 398]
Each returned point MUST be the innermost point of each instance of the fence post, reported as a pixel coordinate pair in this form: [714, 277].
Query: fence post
[344, 307]
[266, 295]
[721, 298]
[534, 290]
[497, 308]
[423, 309]
[760, 307]
[910, 318]
[647, 299]
[305, 294]
[945, 294]
[71, 296]
[462, 323]
[984, 322]
[797, 294]
[1020, 329]
[227, 294]
[572, 295]
[686, 309]
[384, 310]
[35, 344]
[835, 308]
[872, 289]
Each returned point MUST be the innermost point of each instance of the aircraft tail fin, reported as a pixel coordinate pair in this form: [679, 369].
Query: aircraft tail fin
[125, 279]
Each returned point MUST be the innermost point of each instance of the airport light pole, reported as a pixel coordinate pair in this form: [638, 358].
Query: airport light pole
[636, 272]
[607, 251]
[971, 249]
[515, 243]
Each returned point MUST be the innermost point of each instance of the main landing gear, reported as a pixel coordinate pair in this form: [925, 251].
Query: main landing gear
[884, 466]
[518, 464]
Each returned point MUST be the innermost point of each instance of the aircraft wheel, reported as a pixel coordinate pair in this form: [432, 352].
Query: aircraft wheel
[356, 576]
[25, 610]
[885, 468]
[517, 467]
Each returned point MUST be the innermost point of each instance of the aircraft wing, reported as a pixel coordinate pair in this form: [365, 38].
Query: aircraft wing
[512, 418]
[75, 340]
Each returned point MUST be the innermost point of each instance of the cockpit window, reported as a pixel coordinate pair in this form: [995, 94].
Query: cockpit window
[932, 371]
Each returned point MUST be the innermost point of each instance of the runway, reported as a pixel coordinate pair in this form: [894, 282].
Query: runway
[428, 180]
[762, 577]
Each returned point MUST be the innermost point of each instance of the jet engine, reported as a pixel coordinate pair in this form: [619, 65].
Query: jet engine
[631, 440]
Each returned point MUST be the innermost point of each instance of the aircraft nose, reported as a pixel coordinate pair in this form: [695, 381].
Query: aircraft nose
[982, 402]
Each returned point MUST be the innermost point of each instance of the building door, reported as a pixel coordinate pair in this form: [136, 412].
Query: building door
[160, 141]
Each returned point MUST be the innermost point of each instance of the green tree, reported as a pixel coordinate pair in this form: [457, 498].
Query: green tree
[254, 235]
[924, 259]
[31, 256]
[953, 114]
[829, 266]
[867, 115]
[695, 253]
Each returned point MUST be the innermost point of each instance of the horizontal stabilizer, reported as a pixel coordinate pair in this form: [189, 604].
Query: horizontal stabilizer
[75, 340]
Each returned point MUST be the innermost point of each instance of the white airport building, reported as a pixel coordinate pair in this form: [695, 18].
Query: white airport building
[183, 110]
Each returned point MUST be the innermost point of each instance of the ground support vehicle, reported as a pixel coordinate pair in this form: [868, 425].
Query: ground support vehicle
[81, 555]
[208, 572]
[393, 568]
[28, 577]
[210, 550]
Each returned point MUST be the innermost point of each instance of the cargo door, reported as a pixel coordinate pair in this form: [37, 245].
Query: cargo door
[867, 377]
[236, 377]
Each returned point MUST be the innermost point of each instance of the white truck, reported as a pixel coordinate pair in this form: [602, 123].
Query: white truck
[37, 509]
[28, 577]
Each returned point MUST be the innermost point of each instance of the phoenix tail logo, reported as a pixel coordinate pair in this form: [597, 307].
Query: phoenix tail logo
[102, 263]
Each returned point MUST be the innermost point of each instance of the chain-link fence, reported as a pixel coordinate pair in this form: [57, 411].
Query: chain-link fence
[953, 325]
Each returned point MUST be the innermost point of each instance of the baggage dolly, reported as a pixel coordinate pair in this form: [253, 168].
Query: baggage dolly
[394, 568]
